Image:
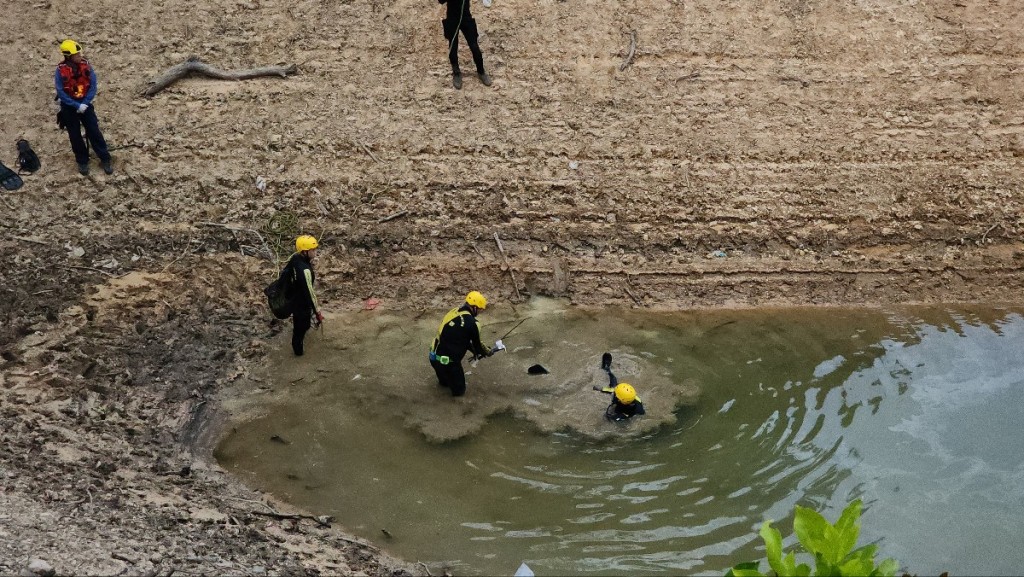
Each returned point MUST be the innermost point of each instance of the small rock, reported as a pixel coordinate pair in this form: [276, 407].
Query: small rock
[610, 217]
[77, 252]
[40, 567]
[573, 165]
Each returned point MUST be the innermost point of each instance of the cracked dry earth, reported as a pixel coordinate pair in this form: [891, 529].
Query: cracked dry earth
[748, 154]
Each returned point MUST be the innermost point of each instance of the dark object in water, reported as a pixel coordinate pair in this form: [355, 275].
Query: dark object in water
[606, 361]
[537, 370]
[280, 439]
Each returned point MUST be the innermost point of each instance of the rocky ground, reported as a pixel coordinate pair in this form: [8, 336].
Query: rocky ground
[738, 154]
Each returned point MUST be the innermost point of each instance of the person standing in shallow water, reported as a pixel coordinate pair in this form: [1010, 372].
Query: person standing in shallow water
[305, 306]
[459, 332]
[75, 81]
[457, 19]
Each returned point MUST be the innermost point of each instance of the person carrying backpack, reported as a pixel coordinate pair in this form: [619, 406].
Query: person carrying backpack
[75, 81]
[305, 306]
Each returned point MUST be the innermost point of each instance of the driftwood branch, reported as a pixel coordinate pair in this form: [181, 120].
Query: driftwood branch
[323, 521]
[390, 217]
[632, 51]
[194, 66]
[511, 273]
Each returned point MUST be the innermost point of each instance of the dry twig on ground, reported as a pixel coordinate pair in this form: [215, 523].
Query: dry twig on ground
[89, 268]
[630, 294]
[323, 521]
[511, 273]
[370, 152]
[390, 217]
[194, 66]
[632, 51]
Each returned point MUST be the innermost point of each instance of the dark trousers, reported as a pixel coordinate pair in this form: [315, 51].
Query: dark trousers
[469, 31]
[303, 319]
[451, 376]
[73, 122]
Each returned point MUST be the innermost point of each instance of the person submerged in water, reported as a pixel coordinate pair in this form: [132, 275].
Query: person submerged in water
[625, 404]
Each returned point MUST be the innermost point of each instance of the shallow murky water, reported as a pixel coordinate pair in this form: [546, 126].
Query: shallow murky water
[914, 410]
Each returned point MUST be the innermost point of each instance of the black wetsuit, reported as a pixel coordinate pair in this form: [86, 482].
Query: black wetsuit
[459, 333]
[458, 18]
[303, 298]
[618, 411]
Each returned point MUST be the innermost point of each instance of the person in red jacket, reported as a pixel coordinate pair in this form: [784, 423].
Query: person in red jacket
[75, 81]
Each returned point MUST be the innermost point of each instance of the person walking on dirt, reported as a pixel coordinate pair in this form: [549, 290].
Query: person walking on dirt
[459, 332]
[75, 81]
[305, 306]
[458, 19]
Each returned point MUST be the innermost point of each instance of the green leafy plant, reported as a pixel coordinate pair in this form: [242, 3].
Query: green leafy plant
[832, 547]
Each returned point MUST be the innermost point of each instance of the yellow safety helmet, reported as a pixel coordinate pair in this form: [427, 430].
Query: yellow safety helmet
[474, 298]
[625, 393]
[70, 47]
[305, 242]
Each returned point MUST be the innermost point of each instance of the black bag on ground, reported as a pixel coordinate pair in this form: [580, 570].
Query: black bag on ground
[9, 179]
[279, 293]
[28, 160]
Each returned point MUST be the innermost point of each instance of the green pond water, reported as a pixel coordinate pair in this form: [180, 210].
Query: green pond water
[914, 410]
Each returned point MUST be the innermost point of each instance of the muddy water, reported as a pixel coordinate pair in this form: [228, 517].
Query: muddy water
[914, 410]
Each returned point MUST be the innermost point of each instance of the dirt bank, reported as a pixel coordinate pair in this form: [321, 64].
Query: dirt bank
[791, 152]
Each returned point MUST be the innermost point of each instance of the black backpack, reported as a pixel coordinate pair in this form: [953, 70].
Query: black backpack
[279, 293]
[9, 180]
[28, 161]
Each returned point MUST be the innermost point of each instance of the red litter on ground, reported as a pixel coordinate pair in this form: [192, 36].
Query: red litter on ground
[370, 304]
